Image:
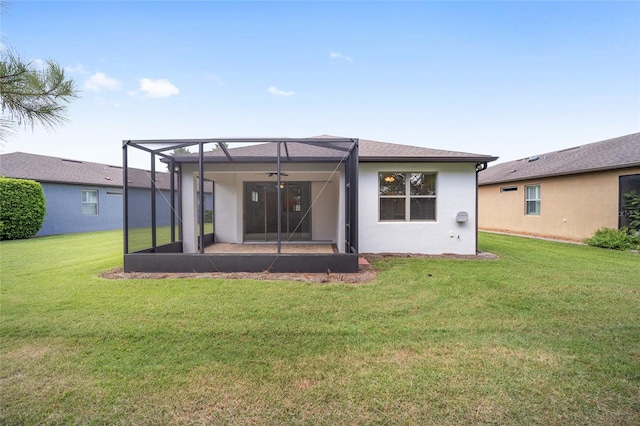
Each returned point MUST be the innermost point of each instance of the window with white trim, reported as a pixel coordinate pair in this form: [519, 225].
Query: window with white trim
[407, 196]
[532, 200]
[89, 204]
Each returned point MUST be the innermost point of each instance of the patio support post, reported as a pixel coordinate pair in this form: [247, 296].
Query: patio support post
[172, 202]
[279, 197]
[154, 241]
[125, 198]
[354, 157]
[201, 195]
[179, 211]
[351, 200]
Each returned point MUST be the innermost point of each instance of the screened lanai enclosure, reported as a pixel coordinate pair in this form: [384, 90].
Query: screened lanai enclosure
[276, 205]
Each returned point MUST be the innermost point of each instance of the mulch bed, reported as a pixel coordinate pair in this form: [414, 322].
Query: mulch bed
[366, 273]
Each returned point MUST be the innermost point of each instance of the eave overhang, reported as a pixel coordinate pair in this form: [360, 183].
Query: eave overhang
[461, 159]
[559, 174]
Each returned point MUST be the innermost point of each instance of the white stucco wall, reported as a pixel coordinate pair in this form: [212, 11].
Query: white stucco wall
[189, 240]
[229, 180]
[455, 191]
[324, 212]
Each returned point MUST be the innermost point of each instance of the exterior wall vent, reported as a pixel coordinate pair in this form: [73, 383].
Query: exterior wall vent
[508, 188]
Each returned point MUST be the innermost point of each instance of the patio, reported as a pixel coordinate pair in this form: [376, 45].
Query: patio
[267, 190]
[286, 248]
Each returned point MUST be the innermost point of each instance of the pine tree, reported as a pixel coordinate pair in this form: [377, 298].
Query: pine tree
[31, 96]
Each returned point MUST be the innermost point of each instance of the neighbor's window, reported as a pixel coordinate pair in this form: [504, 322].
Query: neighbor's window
[407, 196]
[89, 202]
[533, 200]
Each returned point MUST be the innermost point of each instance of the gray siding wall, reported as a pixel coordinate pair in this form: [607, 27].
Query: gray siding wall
[64, 213]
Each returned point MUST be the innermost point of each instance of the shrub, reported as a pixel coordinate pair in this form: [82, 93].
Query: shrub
[208, 216]
[616, 239]
[632, 210]
[22, 208]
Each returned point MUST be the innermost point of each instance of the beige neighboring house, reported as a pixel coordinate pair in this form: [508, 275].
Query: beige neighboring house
[567, 194]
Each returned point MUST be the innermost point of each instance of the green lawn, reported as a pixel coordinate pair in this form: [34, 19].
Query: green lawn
[547, 334]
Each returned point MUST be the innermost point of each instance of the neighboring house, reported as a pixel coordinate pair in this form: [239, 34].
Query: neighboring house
[82, 196]
[567, 194]
[362, 196]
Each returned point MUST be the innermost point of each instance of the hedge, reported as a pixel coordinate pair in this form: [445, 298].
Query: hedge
[22, 208]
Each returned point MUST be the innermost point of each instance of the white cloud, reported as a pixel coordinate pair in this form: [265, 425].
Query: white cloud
[78, 69]
[215, 78]
[99, 81]
[38, 64]
[336, 55]
[275, 91]
[161, 88]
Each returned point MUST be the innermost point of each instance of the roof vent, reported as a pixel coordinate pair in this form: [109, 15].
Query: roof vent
[531, 159]
[569, 149]
[71, 161]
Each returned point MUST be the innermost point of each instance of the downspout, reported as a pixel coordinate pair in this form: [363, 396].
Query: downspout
[479, 167]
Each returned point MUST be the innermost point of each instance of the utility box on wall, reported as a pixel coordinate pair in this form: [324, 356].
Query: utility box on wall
[462, 217]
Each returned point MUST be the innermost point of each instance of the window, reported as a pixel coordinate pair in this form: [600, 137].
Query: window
[533, 200]
[407, 196]
[628, 189]
[89, 202]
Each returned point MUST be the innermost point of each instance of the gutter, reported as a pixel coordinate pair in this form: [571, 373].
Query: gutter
[477, 160]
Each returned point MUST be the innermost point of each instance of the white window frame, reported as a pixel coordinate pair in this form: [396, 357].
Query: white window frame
[532, 200]
[89, 207]
[407, 196]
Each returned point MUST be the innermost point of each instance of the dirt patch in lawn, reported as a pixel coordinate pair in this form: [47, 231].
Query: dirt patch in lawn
[365, 274]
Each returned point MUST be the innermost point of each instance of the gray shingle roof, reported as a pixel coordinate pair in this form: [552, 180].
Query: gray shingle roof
[60, 170]
[43, 168]
[369, 151]
[616, 153]
[377, 151]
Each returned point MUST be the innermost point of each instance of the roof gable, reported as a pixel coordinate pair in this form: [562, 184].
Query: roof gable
[616, 153]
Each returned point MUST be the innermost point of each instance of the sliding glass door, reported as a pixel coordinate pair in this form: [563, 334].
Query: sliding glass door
[261, 211]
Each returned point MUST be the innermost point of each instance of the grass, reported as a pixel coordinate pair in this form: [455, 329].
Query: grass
[547, 334]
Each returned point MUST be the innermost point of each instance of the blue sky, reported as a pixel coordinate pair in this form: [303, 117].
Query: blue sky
[511, 79]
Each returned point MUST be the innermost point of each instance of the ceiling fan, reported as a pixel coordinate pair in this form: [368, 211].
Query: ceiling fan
[271, 174]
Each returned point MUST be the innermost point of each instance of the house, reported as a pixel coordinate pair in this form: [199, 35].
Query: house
[360, 196]
[566, 194]
[82, 196]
